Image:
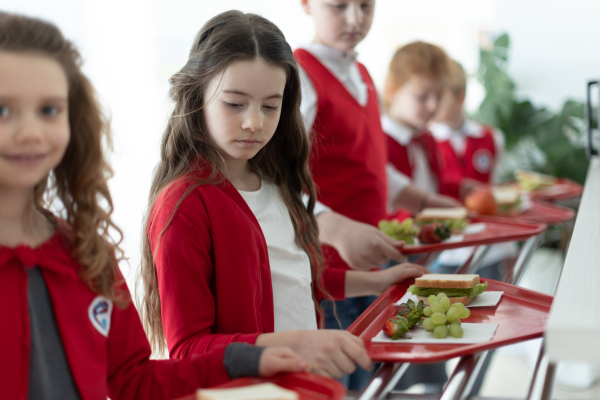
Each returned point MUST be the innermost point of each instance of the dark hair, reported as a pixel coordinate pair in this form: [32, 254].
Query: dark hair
[80, 179]
[229, 37]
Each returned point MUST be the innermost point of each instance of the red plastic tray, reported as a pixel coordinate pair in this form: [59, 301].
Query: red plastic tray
[521, 315]
[574, 190]
[546, 213]
[497, 230]
[308, 386]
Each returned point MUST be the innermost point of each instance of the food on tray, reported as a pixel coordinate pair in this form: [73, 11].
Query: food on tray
[406, 317]
[482, 201]
[443, 317]
[435, 232]
[459, 288]
[399, 230]
[263, 391]
[455, 217]
[508, 199]
[533, 180]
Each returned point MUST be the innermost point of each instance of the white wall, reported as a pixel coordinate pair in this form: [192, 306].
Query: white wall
[131, 47]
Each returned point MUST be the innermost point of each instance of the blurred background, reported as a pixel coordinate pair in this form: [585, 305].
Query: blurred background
[528, 63]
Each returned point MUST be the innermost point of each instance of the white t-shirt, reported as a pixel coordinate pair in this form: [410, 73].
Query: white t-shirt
[290, 266]
[344, 67]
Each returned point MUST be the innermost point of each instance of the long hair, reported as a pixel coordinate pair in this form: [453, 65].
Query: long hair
[79, 181]
[229, 37]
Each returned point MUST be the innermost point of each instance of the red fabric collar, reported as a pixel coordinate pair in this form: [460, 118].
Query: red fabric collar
[49, 255]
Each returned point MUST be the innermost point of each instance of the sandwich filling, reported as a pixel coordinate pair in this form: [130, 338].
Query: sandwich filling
[450, 292]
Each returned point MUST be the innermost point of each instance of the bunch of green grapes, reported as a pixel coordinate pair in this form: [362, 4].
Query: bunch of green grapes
[399, 230]
[443, 318]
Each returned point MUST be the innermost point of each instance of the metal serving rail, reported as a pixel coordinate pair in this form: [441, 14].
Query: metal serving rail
[468, 368]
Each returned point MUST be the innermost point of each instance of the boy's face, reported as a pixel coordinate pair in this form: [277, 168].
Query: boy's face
[416, 102]
[451, 107]
[340, 24]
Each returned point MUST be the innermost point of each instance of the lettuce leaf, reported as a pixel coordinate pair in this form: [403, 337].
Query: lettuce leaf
[426, 292]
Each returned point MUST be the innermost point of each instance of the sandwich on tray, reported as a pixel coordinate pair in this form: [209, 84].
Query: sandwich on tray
[455, 217]
[534, 181]
[460, 288]
[508, 199]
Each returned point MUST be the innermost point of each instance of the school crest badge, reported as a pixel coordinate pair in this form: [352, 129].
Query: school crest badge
[100, 311]
[482, 161]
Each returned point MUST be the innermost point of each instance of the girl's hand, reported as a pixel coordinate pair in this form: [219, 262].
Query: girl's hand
[330, 352]
[274, 360]
[360, 245]
[398, 273]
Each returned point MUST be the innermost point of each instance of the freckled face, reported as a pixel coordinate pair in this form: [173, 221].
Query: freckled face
[34, 120]
[243, 105]
[340, 24]
[417, 101]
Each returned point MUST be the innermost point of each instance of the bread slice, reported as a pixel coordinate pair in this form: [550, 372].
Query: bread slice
[505, 195]
[465, 300]
[452, 281]
[431, 214]
[263, 391]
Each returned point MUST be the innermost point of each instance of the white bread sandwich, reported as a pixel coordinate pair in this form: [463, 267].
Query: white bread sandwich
[532, 180]
[454, 217]
[508, 198]
[263, 391]
[460, 288]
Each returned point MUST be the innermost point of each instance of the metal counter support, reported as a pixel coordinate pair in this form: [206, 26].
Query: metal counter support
[473, 263]
[383, 381]
[460, 377]
[516, 273]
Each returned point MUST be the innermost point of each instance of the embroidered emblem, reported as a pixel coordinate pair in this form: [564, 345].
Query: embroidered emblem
[482, 161]
[100, 312]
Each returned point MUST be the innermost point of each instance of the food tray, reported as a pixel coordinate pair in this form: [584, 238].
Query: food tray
[563, 189]
[497, 230]
[521, 315]
[545, 213]
[308, 386]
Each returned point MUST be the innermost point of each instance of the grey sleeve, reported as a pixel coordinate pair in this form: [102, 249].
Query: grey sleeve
[241, 359]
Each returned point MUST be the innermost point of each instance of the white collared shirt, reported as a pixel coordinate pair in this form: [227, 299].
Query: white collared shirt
[458, 140]
[344, 67]
[422, 175]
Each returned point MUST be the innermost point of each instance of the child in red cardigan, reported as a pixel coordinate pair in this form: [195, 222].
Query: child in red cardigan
[70, 330]
[227, 227]
[467, 149]
[412, 95]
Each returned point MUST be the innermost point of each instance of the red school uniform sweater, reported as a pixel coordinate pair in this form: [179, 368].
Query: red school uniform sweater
[348, 158]
[477, 162]
[213, 269]
[111, 362]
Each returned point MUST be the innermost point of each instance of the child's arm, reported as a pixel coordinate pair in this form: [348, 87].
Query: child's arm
[366, 283]
[132, 375]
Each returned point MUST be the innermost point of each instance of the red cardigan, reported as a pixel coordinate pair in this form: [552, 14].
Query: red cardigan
[116, 365]
[213, 268]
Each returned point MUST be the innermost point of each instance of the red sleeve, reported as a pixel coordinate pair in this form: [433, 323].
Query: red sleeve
[132, 375]
[334, 281]
[184, 261]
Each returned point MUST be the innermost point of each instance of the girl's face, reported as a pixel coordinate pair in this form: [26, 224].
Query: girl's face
[416, 102]
[340, 24]
[242, 107]
[34, 120]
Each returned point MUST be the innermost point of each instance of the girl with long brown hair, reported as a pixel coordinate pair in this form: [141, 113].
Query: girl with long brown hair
[231, 252]
[70, 330]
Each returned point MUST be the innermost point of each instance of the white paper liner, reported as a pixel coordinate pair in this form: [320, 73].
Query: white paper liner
[486, 299]
[472, 333]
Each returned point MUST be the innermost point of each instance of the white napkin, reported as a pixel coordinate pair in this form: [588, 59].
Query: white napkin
[485, 299]
[472, 333]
